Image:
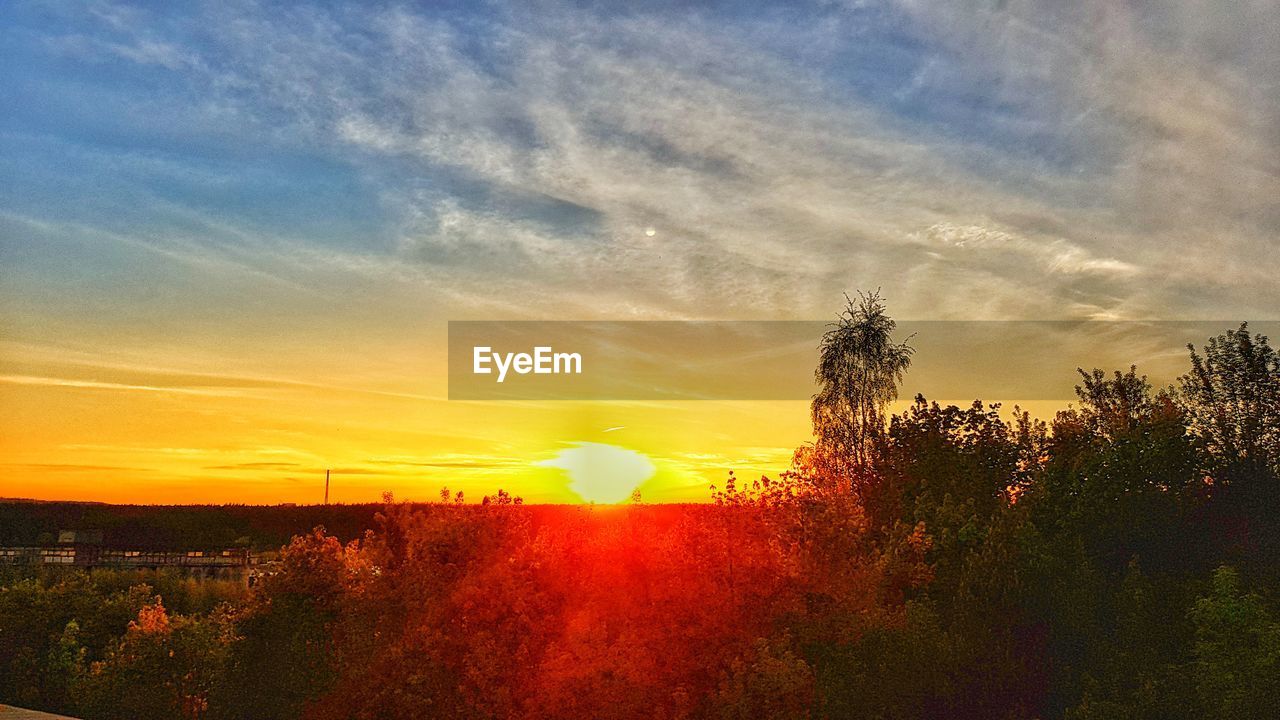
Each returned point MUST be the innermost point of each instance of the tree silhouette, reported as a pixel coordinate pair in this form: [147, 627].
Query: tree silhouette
[859, 370]
[1232, 396]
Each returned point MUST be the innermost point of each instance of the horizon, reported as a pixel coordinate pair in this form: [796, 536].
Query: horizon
[801, 360]
[234, 237]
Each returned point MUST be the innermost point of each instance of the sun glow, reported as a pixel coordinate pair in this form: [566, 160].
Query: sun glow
[602, 473]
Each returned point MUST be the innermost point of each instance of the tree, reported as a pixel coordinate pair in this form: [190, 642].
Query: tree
[770, 683]
[956, 471]
[859, 370]
[1232, 399]
[1237, 652]
[286, 657]
[1113, 408]
[1121, 474]
[1119, 485]
[164, 667]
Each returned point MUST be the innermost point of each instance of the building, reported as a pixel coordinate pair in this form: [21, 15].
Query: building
[80, 549]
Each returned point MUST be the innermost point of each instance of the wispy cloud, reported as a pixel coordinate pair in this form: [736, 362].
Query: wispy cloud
[778, 163]
[88, 370]
[96, 385]
[452, 461]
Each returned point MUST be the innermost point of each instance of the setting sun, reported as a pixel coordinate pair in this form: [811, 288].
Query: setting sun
[601, 473]
[646, 360]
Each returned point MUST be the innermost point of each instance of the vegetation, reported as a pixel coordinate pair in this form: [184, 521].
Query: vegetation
[1119, 561]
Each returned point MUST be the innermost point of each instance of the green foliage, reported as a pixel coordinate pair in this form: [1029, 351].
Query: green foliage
[285, 657]
[1236, 665]
[1121, 472]
[57, 627]
[893, 671]
[163, 667]
[953, 470]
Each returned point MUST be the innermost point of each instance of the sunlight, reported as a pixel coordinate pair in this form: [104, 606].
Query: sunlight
[602, 473]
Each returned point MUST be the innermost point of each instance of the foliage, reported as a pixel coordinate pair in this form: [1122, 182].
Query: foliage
[163, 667]
[1119, 562]
[859, 370]
[1232, 395]
[1236, 663]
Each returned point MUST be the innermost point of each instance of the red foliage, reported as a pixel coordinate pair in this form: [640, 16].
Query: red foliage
[668, 611]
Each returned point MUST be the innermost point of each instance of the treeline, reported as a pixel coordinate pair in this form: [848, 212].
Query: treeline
[1117, 561]
[180, 527]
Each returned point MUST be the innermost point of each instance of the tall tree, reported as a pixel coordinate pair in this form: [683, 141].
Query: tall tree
[1232, 396]
[859, 370]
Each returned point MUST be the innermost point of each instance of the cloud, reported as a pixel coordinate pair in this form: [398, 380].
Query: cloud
[96, 385]
[73, 467]
[89, 371]
[781, 162]
[1168, 111]
[767, 183]
[255, 466]
[454, 461]
[1053, 256]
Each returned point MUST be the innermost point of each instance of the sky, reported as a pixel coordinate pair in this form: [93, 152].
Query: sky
[232, 233]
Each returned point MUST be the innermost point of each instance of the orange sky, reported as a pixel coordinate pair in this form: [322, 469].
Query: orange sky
[224, 413]
[97, 440]
[123, 434]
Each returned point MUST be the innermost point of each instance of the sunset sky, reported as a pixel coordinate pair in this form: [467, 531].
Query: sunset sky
[232, 233]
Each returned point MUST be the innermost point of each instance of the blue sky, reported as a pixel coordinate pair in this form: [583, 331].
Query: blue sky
[786, 153]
